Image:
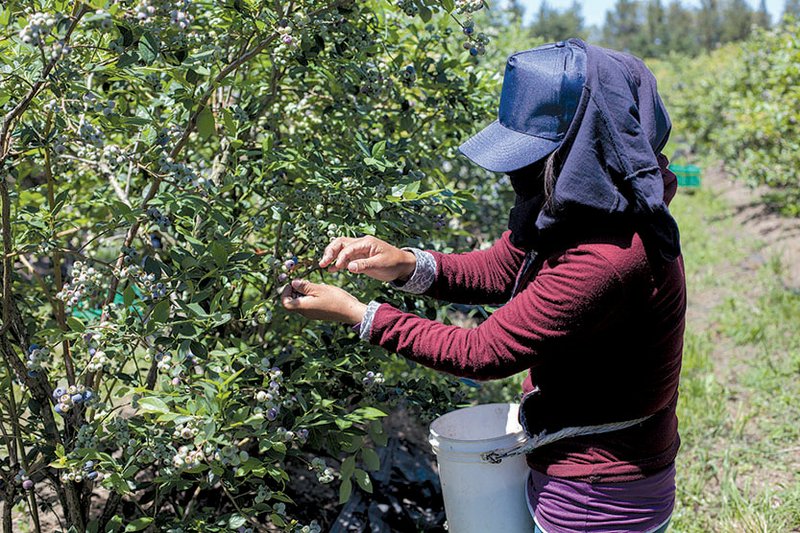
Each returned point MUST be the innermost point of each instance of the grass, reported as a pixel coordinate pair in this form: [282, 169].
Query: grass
[739, 409]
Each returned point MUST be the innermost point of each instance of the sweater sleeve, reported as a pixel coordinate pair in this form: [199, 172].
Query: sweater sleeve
[477, 277]
[562, 302]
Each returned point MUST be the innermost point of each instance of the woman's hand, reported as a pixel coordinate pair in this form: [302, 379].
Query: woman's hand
[371, 256]
[322, 302]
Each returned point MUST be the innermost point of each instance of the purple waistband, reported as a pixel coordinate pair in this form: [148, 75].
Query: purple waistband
[564, 505]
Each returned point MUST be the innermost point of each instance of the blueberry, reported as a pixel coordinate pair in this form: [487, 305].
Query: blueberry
[77, 398]
[87, 395]
[91, 476]
[469, 30]
[272, 414]
[473, 51]
[27, 484]
[33, 347]
[92, 351]
[58, 409]
[59, 392]
[88, 465]
[32, 373]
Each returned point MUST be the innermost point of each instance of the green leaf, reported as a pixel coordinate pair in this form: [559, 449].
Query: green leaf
[160, 312]
[369, 413]
[139, 524]
[348, 466]
[345, 490]
[128, 295]
[371, 459]
[236, 521]
[148, 47]
[425, 13]
[378, 149]
[449, 5]
[220, 254]
[205, 123]
[76, 324]
[153, 405]
[363, 480]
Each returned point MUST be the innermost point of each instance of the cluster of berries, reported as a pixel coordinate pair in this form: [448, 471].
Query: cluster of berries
[476, 44]
[179, 14]
[91, 134]
[288, 266]
[101, 19]
[468, 6]
[371, 379]
[85, 282]
[374, 81]
[229, 455]
[325, 474]
[39, 27]
[59, 49]
[38, 357]
[186, 458]
[87, 472]
[151, 289]
[181, 172]
[285, 32]
[186, 431]
[71, 398]
[409, 7]
[408, 75]
[86, 437]
[93, 104]
[155, 453]
[98, 360]
[22, 477]
[113, 155]
[313, 527]
[156, 216]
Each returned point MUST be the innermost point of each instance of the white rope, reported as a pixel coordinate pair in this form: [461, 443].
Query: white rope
[540, 439]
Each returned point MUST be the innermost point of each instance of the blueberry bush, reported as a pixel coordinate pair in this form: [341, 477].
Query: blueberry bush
[745, 113]
[165, 168]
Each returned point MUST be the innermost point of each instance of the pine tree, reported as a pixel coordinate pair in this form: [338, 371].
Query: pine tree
[557, 25]
[762, 17]
[709, 24]
[737, 20]
[623, 28]
[656, 32]
[681, 29]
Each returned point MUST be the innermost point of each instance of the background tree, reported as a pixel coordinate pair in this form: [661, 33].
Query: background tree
[762, 18]
[553, 24]
[791, 9]
[624, 29]
[737, 21]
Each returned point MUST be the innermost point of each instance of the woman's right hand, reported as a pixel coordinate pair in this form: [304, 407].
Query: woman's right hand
[371, 256]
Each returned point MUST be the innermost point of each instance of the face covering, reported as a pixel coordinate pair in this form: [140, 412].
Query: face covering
[528, 184]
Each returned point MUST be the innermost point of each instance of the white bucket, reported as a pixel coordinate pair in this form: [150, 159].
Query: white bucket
[481, 497]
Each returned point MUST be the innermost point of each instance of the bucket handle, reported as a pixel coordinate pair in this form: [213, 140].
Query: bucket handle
[542, 438]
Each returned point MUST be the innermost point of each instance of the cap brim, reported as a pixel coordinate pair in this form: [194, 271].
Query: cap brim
[499, 149]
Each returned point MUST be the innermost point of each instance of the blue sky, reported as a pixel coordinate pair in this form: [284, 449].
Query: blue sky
[594, 11]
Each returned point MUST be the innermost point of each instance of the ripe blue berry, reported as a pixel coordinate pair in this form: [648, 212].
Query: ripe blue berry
[473, 51]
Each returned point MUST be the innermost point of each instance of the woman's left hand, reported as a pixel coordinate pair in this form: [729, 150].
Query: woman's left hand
[322, 302]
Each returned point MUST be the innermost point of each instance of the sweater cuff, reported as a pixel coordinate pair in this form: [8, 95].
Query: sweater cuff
[423, 276]
[366, 322]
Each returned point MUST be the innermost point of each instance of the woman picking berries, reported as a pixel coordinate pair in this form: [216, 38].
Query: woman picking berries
[590, 275]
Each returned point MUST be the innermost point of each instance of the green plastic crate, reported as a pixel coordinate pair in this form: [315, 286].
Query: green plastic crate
[688, 175]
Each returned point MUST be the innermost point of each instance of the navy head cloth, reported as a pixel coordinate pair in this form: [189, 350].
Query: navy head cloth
[606, 165]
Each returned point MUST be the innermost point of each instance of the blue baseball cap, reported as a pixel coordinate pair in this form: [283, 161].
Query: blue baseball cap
[541, 91]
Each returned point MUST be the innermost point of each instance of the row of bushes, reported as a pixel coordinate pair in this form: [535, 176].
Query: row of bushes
[739, 104]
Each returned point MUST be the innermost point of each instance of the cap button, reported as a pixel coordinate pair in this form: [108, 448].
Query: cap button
[561, 44]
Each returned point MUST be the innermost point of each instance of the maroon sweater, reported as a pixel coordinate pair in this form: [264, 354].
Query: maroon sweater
[600, 328]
